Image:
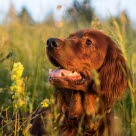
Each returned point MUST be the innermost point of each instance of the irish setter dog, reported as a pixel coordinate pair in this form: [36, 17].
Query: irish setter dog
[84, 102]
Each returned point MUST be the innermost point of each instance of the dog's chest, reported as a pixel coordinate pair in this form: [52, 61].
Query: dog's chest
[71, 103]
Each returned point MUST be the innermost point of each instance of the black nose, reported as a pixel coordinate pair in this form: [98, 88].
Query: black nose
[53, 43]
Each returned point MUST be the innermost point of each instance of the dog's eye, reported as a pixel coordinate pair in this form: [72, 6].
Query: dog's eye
[88, 42]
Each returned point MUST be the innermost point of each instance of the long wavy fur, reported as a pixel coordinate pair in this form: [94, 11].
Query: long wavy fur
[114, 73]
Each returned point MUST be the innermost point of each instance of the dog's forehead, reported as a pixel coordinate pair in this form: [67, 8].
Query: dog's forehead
[86, 32]
[78, 34]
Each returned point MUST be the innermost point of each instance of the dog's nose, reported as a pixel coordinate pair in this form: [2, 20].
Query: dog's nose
[53, 43]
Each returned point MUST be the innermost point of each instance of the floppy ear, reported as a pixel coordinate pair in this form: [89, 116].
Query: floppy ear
[113, 73]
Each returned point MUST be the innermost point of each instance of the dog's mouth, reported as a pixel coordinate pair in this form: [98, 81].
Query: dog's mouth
[62, 73]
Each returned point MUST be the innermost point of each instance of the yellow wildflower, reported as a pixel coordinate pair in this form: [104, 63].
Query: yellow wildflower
[45, 103]
[19, 103]
[18, 86]
[17, 71]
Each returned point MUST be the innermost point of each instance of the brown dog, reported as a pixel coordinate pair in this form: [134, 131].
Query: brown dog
[83, 101]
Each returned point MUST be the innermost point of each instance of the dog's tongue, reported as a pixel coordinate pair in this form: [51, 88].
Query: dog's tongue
[64, 73]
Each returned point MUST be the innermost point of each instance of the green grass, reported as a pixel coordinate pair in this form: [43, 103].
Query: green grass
[27, 43]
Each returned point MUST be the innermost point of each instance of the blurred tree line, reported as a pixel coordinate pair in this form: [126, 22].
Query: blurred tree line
[78, 12]
[22, 17]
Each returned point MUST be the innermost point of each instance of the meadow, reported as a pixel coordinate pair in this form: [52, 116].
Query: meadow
[24, 70]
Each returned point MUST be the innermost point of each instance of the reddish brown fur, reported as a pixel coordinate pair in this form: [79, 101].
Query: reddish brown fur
[85, 103]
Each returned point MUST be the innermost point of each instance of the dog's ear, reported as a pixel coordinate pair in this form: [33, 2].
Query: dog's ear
[113, 73]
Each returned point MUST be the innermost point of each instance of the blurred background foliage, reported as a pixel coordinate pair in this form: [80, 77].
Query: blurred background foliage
[23, 40]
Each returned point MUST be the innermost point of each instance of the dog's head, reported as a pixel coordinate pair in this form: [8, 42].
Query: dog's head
[82, 52]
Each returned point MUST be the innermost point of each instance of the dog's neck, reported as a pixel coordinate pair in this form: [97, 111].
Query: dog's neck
[76, 107]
